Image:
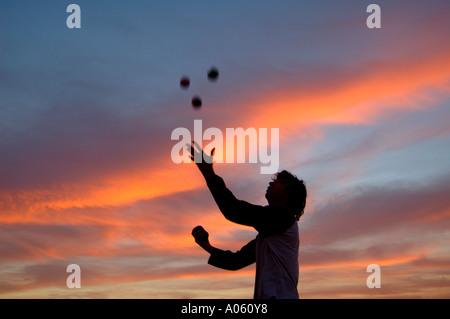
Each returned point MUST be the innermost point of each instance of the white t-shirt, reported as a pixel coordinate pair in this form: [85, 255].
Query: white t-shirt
[277, 265]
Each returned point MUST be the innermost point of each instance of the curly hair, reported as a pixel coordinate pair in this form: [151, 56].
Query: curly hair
[296, 192]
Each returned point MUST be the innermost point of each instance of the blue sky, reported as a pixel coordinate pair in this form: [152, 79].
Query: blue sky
[86, 117]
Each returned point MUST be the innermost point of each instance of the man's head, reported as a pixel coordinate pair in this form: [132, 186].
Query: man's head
[287, 190]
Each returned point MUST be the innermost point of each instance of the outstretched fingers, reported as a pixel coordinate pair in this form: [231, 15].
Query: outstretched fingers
[198, 156]
[192, 149]
[199, 148]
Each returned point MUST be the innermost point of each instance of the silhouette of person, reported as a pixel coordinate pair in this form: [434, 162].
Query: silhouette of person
[275, 248]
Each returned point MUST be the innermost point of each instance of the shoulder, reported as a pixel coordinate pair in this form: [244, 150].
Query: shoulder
[276, 220]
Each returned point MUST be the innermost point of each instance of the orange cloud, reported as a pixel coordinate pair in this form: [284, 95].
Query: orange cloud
[363, 263]
[357, 98]
[351, 100]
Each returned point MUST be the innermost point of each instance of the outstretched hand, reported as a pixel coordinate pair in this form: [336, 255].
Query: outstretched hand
[204, 162]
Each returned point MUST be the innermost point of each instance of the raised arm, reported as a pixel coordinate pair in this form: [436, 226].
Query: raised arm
[266, 220]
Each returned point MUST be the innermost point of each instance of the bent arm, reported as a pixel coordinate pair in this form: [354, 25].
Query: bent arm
[234, 260]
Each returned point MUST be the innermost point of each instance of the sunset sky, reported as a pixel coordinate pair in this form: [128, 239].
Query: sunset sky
[86, 117]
